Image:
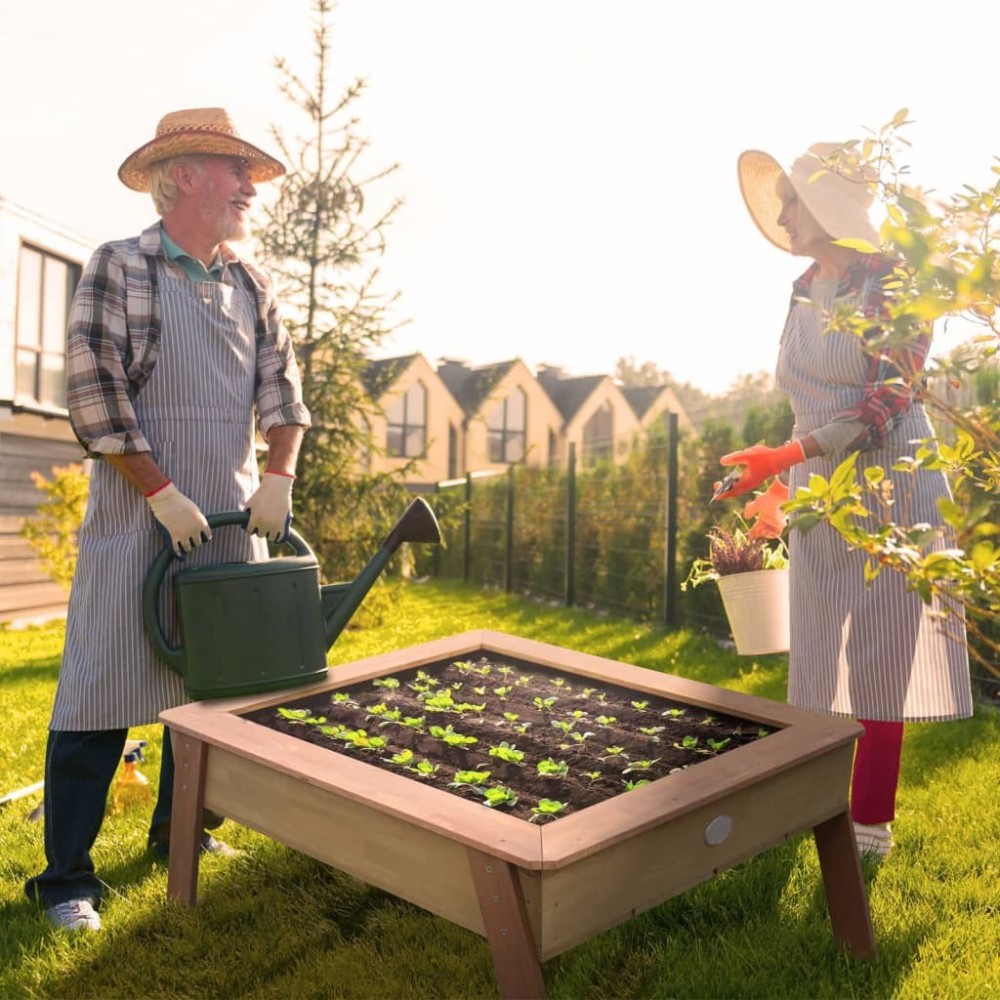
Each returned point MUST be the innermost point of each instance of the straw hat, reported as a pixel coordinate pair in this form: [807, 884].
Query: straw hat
[193, 131]
[838, 191]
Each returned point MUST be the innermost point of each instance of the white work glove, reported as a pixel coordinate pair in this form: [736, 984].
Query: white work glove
[180, 518]
[271, 507]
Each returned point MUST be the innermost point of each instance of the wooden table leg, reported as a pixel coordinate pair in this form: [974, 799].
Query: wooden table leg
[190, 760]
[515, 961]
[846, 897]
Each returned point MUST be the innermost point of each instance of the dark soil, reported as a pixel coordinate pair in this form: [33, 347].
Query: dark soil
[583, 726]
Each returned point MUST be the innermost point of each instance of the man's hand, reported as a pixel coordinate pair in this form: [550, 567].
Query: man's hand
[771, 519]
[271, 507]
[180, 518]
[760, 463]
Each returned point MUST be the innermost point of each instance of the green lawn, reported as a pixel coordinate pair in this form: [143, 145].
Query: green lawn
[277, 924]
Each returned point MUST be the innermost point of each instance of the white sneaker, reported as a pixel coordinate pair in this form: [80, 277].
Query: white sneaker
[873, 839]
[74, 915]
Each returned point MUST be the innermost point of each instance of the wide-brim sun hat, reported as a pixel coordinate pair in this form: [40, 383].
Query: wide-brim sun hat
[195, 131]
[837, 190]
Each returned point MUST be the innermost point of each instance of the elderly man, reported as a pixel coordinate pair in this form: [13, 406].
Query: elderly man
[174, 348]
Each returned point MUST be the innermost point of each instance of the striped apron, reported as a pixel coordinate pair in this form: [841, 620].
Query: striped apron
[871, 651]
[196, 410]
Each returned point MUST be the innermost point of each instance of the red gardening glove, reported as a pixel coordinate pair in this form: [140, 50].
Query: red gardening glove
[771, 519]
[761, 463]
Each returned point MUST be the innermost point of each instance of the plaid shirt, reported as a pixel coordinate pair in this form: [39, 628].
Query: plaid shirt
[114, 337]
[892, 382]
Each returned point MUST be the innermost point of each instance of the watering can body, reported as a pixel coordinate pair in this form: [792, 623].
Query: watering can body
[254, 627]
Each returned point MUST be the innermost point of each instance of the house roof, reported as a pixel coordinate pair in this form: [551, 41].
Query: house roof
[641, 397]
[380, 373]
[471, 386]
[569, 394]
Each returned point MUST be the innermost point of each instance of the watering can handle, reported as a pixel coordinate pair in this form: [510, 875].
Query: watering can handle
[173, 656]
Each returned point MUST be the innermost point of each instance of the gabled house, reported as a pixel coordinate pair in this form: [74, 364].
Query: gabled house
[40, 266]
[508, 417]
[650, 402]
[415, 419]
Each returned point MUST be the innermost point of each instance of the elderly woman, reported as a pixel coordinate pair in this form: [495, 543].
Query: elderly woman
[872, 651]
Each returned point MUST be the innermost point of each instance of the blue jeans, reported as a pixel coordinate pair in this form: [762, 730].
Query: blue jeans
[79, 769]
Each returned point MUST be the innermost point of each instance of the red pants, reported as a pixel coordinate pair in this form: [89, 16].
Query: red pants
[876, 772]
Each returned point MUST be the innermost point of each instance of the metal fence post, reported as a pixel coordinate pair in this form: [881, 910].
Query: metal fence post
[670, 541]
[467, 532]
[571, 526]
[508, 562]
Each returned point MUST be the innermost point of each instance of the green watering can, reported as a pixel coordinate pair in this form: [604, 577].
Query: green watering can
[251, 627]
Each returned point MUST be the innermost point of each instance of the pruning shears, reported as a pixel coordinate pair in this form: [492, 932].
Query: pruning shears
[728, 483]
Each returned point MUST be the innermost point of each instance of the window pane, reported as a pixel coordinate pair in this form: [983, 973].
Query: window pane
[55, 308]
[27, 362]
[515, 410]
[415, 442]
[394, 442]
[395, 412]
[494, 419]
[415, 405]
[29, 297]
[494, 442]
[52, 391]
[515, 447]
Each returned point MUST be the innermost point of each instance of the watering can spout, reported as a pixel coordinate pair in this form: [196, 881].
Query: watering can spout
[341, 600]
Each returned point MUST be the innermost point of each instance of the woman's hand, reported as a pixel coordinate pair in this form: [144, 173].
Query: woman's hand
[771, 519]
[760, 463]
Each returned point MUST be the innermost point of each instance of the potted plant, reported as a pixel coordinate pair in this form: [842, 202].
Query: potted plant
[752, 574]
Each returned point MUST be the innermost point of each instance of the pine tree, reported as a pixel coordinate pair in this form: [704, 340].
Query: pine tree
[319, 242]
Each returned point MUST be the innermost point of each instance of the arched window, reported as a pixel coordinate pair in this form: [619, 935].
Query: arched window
[406, 417]
[598, 435]
[506, 428]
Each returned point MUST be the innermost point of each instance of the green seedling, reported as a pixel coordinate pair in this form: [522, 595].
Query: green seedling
[391, 717]
[479, 690]
[580, 737]
[456, 685]
[606, 720]
[386, 682]
[717, 745]
[523, 680]
[404, 757]
[560, 682]
[592, 775]
[708, 720]
[630, 785]
[379, 709]
[502, 692]
[653, 731]
[688, 743]
[640, 706]
[335, 730]
[483, 671]
[674, 713]
[341, 698]
[466, 707]
[505, 671]
[424, 769]
[295, 714]
[543, 704]
[550, 768]
[449, 736]
[511, 716]
[640, 765]
[360, 740]
[586, 692]
[523, 728]
[438, 701]
[577, 714]
[761, 733]
[414, 722]
[499, 796]
[508, 753]
[469, 779]
[563, 726]
[546, 807]
[615, 751]
[464, 666]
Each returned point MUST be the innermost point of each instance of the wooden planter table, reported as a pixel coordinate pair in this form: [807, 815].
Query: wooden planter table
[533, 891]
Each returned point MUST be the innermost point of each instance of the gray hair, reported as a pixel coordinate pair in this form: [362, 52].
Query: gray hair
[162, 185]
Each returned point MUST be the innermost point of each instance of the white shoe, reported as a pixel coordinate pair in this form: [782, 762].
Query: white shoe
[74, 915]
[873, 839]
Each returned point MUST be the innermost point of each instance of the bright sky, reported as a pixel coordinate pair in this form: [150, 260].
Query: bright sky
[568, 166]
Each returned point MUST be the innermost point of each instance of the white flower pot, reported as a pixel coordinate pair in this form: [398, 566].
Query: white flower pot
[757, 607]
